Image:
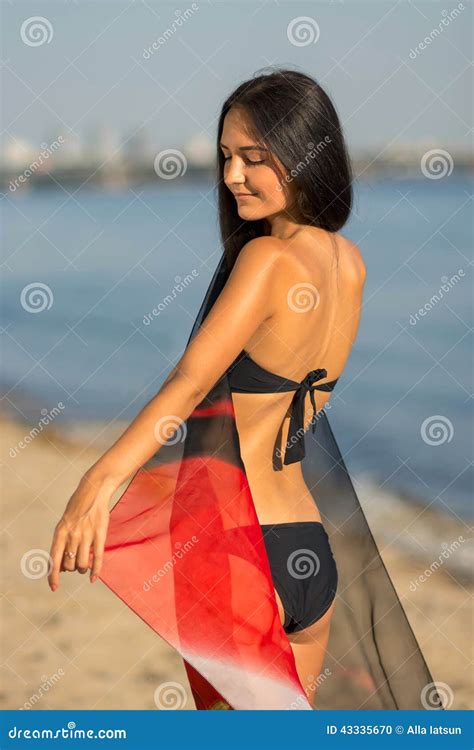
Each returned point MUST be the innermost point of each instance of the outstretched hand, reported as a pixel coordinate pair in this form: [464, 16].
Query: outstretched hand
[79, 536]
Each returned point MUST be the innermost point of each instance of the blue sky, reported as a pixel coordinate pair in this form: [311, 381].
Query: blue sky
[93, 72]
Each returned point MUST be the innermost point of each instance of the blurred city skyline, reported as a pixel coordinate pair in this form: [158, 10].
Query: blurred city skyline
[132, 78]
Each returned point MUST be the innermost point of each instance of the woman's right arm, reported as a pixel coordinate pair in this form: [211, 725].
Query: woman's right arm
[244, 303]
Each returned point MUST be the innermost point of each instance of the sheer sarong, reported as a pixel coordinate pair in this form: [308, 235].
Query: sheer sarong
[185, 551]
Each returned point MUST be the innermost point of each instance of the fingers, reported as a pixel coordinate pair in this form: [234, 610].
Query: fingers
[73, 548]
[63, 554]
[83, 554]
[97, 553]
[70, 551]
[56, 554]
[69, 560]
[98, 549]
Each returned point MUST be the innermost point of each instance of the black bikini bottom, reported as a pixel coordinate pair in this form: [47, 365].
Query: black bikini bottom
[303, 570]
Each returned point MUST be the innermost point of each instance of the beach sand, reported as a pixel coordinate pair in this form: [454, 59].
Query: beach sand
[82, 648]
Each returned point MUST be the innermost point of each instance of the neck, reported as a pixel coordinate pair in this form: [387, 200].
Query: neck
[283, 224]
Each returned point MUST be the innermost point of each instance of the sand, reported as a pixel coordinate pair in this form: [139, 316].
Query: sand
[82, 648]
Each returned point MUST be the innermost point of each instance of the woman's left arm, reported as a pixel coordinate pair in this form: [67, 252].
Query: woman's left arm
[243, 304]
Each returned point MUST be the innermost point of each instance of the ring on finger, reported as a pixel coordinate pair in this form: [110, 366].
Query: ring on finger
[70, 554]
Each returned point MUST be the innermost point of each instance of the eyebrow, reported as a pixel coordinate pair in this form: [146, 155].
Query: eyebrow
[246, 148]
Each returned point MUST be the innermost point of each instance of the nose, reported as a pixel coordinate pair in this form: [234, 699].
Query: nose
[234, 173]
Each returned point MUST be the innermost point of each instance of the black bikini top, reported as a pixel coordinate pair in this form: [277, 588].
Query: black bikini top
[246, 376]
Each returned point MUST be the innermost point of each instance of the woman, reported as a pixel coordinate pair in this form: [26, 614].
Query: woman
[223, 541]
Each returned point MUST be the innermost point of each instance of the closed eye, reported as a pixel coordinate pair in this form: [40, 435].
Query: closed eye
[248, 161]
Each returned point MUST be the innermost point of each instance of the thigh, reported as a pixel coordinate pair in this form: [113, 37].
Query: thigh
[309, 649]
[281, 611]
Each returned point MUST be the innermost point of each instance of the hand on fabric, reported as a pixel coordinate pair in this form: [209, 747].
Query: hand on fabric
[79, 535]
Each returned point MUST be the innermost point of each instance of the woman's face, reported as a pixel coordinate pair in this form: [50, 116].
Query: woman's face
[248, 173]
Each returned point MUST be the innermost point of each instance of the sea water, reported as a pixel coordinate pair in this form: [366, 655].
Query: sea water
[101, 288]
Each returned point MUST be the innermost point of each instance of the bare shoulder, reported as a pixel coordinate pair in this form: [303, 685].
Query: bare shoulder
[258, 256]
[354, 253]
[260, 249]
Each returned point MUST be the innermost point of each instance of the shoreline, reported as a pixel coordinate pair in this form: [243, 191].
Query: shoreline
[385, 508]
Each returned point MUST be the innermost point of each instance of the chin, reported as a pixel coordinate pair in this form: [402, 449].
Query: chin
[249, 213]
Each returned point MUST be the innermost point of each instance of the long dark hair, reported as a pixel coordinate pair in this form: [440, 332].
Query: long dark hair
[291, 115]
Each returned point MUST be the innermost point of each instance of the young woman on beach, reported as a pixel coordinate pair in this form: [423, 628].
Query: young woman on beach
[240, 538]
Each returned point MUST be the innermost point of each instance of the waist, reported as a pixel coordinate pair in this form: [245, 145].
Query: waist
[298, 507]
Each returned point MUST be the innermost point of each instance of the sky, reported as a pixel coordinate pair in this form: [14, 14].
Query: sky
[92, 71]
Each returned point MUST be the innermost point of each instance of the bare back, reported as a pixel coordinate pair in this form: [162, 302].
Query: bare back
[317, 303]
